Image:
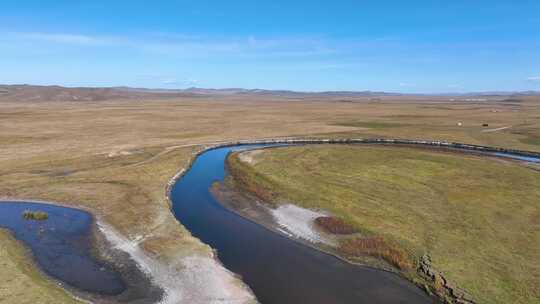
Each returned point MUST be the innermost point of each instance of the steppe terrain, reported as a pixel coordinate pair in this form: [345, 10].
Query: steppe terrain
[115, 155]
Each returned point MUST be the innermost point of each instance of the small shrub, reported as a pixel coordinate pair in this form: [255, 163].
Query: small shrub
[438, 283]
[334, 225]
[377, 247]
[35, 215]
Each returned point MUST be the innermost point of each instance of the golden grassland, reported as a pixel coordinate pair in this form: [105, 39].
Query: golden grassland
[116, 157]
[21, 282]
[476, 217]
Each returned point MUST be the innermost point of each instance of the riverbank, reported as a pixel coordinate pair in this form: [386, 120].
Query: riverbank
[282, 177]
[252, 208]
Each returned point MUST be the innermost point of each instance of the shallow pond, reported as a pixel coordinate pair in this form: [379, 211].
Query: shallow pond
[62, 246]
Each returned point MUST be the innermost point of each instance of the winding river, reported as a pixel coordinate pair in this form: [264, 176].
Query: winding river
[276, 268]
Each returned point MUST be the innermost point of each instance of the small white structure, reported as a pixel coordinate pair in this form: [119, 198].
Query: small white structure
[460, 124]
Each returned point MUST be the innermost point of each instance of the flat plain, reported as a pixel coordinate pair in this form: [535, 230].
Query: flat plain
[115, 157]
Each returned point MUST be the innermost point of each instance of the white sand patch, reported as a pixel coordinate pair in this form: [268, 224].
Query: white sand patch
[300, 222]
[204, 280]
[285, 232]
[119, 153]
[496, 129]
[192, 279]
[249, 156]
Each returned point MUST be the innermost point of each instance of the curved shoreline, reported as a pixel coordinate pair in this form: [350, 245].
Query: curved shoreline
[459, 147]
[324, 278]
[382, 141]
[370, 262]
[454, 147]
[307, 243]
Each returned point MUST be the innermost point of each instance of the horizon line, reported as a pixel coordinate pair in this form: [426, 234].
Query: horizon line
[382, 92]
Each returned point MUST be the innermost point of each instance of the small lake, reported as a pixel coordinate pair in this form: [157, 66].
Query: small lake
[278, 270]
[62, 246]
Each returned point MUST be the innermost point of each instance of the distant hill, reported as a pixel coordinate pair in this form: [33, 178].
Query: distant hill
[288, 93]
[88, 94]
[58, 93]
[494, 93]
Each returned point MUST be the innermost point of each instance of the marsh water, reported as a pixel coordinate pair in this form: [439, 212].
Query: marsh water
[62, 246]
[276, 268]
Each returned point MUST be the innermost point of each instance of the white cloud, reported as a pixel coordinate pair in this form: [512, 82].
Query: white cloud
[165, 80]
[407, 85]
[191, 82]
[534, 79]
[171, 81]
[61, 38]
[180, 44]
[311, 66]
[152, 76]
[177, 82]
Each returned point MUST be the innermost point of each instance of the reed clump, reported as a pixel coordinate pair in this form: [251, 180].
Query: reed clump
[334, 225]
[250, 181]
[377, 247]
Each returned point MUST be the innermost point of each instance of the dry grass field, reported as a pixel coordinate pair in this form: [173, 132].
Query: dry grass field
[115, 157]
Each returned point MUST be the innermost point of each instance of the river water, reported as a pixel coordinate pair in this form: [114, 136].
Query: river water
[278, 269]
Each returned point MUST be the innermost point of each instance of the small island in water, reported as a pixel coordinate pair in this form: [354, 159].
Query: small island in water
[35, 215]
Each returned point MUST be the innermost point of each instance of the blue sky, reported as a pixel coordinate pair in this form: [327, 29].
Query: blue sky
[407, 46]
